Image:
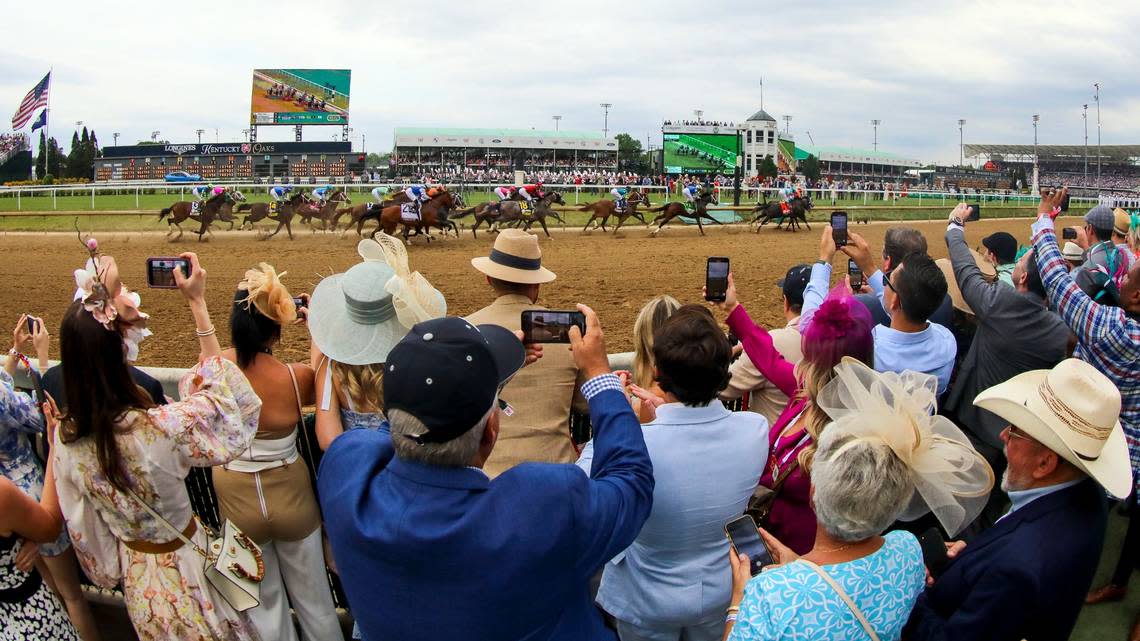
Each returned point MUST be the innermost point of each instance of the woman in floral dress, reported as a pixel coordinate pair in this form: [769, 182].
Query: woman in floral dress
[113, 441]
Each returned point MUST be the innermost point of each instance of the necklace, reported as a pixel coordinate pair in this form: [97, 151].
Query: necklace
[829, 550]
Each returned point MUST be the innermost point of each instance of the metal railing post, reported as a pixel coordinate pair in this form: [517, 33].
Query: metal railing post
[137, 190]
[19, 207]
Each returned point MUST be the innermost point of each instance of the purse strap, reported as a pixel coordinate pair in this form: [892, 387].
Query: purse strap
[843, 595]
[300, 409]
[178, 533]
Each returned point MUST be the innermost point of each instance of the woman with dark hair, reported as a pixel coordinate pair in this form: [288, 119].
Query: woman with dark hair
[267, 491]
[118, 458]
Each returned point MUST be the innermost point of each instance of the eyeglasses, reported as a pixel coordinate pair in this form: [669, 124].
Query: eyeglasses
[887, 281]
[1015, 432]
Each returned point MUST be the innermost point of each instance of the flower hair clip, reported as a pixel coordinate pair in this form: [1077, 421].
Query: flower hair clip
[91, 289]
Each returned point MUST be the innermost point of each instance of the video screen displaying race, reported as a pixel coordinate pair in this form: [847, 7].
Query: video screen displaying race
[699, 153]
[300, 96]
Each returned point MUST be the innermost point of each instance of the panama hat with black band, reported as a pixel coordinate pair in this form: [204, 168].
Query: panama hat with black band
[515, 258]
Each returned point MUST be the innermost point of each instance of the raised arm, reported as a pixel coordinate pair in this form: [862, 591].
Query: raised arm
[978, 294]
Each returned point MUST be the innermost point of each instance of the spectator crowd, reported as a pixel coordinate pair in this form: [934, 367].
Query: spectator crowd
[926, 453]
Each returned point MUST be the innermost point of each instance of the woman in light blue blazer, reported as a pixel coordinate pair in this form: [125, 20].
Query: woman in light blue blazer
[672, 583]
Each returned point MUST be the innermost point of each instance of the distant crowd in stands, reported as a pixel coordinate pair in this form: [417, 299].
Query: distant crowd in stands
[982, 404]
[13, 142]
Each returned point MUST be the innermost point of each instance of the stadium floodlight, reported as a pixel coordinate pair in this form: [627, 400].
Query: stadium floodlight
[245, 132]
[1096, 98]
[961, 142]
[556, 119]
[78, 124]
[698, 113]
[787, 123]
[1085, 117]
[154, 135]
[1036, 167]
[116, 137]
[199, 132]
[606, 119]
[875, 124]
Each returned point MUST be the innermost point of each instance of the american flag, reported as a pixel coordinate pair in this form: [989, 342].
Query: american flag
[36, 99]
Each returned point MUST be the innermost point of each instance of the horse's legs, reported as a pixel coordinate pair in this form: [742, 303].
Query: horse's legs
[542, 221]
[700, 228]
[621, 221]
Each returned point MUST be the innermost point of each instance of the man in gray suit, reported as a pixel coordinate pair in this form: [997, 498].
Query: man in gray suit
[1016, 333]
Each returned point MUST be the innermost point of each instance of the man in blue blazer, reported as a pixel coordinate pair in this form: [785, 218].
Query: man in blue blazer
[1027, 576]
[429, 548]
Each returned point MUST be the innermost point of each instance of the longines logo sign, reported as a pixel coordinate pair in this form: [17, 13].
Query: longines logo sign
[180, 149]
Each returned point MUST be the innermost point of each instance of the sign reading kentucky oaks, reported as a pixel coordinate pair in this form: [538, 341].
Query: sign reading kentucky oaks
[228, 149]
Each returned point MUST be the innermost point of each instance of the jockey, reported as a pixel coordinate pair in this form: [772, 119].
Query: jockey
[505, 192]
[201, 192]
[418, 195]
[528, 192]
[379, 193]
[277, 192]
[619, 194]
[321, 194]
[789, 193]
[690, 191]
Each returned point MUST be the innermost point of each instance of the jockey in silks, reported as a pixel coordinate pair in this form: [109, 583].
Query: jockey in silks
[528, 192]
[504, 194]
[418, 195]
[789, 193]
[201, 192]
[379, 193]
[321, 195]
[691, 191]
[619, 194]
[277, 192]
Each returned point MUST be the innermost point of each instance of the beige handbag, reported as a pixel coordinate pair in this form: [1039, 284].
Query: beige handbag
[233, 564]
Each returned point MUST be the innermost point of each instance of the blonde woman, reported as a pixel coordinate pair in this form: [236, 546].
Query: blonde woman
[651, 317]
[355, 319]
[267, 491]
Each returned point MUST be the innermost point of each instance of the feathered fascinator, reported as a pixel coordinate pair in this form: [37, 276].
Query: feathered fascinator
[950, 478]
[413, 297]
[265, 293]
[840, 327]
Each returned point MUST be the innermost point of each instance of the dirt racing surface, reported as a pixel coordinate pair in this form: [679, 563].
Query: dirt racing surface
[615, 276]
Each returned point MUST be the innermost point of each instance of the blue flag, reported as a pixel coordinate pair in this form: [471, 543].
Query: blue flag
[41, 121]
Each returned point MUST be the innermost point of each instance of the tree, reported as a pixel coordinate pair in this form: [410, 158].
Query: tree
[377, 160]
[55, 158]
[630, 155]
[41, 158]
[768, 167]
[810, 168]
[74, 156]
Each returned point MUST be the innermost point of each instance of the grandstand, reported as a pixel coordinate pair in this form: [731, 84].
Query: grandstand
[1071, 165]
[439, 151]
[284, 161]
[15, 157]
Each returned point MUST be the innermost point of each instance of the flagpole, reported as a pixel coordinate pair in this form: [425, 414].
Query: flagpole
[47, 129]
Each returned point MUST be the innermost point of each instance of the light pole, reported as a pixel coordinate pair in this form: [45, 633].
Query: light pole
[154, 135]
[698, 113]
[1096, 97]
[116, 137]
[1085, 117]
[961, 142]
[245, 132]
[875, 124]
[556, 119]
[78, 124]
[1036, 168]
[199, 132]
[787, 124]
[216, 138]
[606, 119]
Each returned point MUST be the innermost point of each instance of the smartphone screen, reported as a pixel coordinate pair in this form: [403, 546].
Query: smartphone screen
[975, 212]
[298, 301]
[546, 326]
[716, 278]
[855, 273]
[745, 539]
[160, 271]
[933, 551]
[31, 321]
[839, 228]
[1068, 233]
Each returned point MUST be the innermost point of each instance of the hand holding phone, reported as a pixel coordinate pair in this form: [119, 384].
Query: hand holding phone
[856, 275]
[839, 228]
[745, 538]
[716, 279]
[549, 326]
[1069, 233]
[975, 212]
[160, 271]
[934, 554]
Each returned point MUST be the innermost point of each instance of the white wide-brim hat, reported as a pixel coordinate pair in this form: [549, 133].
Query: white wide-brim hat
[989, 274]
[1073, 410]
[515, 258]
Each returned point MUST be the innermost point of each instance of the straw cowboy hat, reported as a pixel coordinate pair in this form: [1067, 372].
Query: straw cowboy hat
[1073, 410]
[515, 258]
[989, 273]
[1073, 252]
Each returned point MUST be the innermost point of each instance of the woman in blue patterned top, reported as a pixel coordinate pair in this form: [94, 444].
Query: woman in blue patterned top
[884, 457]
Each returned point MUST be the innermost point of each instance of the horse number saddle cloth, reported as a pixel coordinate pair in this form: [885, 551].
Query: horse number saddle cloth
[194, 206]
[526, 209]
[274, 207]
[409, 212]
[371, 206]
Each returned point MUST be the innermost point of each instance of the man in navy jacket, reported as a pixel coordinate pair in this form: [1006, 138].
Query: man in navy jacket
[1026, 577]
[428, 547]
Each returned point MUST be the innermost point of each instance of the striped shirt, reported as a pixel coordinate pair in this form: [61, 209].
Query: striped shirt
[1107, 338]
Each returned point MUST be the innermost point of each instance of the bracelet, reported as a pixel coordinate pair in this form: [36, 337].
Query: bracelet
[732, 610]
[208, 332]
[730, 618]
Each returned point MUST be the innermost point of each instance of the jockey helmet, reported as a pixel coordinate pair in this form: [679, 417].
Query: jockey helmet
[432, 192]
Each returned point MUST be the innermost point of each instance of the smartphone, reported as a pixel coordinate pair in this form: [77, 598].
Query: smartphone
[975, 212]
[733, 339]
[716, 278]
[160, 272]
[855, 273]
[298, 302]
[547, 326]
[839, 227]
[745, 539]
[31, 322]
[1069, 233]
[933, 551]
[1065, 202]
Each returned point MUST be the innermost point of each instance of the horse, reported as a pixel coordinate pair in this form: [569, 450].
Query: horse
[183, 210]
[283, 216]
[484, 213]
[367, 211]
[673, 210]
[328, 212]
[511, 212]
[797, 213]
[603, 209]
[433, 213]
[226, 211]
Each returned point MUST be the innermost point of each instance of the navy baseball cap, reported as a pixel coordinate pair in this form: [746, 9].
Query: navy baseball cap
[447, 372]
[795, 282]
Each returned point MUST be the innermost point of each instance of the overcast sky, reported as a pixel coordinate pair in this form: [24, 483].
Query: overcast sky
[134, 67]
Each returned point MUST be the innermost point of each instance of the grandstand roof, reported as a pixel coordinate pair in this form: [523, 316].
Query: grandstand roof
[852, 154]
[498, 133]
[1118, 153]
[457, 138]
[762, 115]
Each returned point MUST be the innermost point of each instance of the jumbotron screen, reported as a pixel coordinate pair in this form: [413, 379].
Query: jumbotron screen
[300, 96]
[699, 153]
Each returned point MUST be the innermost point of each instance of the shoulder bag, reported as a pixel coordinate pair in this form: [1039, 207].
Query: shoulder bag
[846, 599]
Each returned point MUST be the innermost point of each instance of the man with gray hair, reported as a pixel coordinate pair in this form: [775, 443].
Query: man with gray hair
[429, 547]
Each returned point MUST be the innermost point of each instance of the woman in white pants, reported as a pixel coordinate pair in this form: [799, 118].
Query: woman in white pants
[267, 491]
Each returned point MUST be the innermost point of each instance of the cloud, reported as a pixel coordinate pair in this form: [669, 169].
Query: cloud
[134, 68]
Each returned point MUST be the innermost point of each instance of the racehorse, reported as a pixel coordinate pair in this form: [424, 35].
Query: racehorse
[433, 213]
[797, 213]
[484, 213]
[367, 211]
[511, 212]
[328, 212]
[603, 209]
[184, 210]
[226, 211]
[672, 210]
[283, 216]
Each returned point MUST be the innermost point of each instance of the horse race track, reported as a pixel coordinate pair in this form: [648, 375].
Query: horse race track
[613, 275]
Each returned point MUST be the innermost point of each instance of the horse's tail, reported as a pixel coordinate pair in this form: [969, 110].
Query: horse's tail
[587, 207]
[245, 207]
[461, 213]
[164, 213]
[654, 210]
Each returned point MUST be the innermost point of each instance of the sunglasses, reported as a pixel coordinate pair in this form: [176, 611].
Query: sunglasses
[1015, 432]
[887, 281]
